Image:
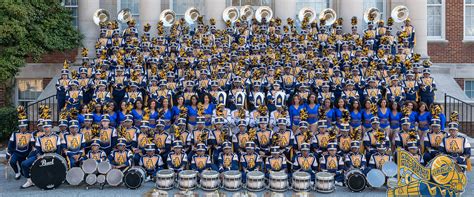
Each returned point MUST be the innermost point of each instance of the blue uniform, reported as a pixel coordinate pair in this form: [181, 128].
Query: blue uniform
[120, 159]
[44, 144]
[424, 121]
[228, 162]
[356, 119]
[295, 114]
[177, 161]
[200, 163]
[192, 115]
[151, 164]
[19, 146]
[333, 164]
[384, 118]
[307, 164]
[312, 114]
[74, 145]
[395, 120]
[457, 147]
[366, 117]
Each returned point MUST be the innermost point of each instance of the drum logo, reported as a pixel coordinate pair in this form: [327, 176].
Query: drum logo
[45, 163]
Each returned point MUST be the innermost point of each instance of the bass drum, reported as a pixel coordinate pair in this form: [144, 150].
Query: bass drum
[355, 180]
[134, 177]
[49, 171]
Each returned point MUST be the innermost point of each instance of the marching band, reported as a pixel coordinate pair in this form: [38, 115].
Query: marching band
[256, 96]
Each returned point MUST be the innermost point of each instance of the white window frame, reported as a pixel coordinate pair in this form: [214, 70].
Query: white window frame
[179, 15]
[17, 91]
[329, 5]
[467, 38]
[443, 23]
[76, 18]
[465, 92]
[255, 7]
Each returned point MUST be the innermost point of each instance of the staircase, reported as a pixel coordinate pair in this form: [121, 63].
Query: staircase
[33, 110]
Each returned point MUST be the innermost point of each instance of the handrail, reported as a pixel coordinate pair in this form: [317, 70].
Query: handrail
[33, 108]
[465, 110]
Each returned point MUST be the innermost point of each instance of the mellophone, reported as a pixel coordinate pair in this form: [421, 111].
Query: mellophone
[50, 171]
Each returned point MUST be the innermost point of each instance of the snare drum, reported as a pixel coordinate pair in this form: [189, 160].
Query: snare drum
[301, 181]
[104, 167]
[75, 176]
[165, 179]
[376, 178]
[91, 179]
[49, 171]
[134, 177]
[187, 179]
[114, 177]
[255, 181]
[209, 180]
[278, 181]
[232, 180]
[355, 180]
[89, 166]
[324, 182]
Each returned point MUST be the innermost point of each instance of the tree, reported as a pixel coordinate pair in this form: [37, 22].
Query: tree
[30, 28]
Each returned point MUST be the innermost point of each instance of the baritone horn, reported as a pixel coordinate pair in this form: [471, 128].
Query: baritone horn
[328, 15]
[191, 15]
[100, 16]
[246, 13]
[400, 13]
[263, 12]
[124, 15]
[371, 15]
[307, 12]
[167, 17]
[230, 14]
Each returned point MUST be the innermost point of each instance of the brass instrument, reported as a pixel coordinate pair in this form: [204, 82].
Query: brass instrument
[124, 15]
[372, 14]
[307, 13]
[246, 13]
[95, 130]
[191, 15]
[230, 14]
[328, 15]
[263, 12]
[167, 17]
[101, 16]
[400, 13]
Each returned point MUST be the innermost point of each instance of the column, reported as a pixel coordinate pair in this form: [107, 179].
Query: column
[86, 25]
[348, 9]
[214, 9]
[418, 15]
[150, 11]
[285, 9]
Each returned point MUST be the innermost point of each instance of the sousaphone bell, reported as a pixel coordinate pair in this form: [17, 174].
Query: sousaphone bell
[263, 12]
[328, 15]
[100, 16]
[191, 15]
[230, 14]
[246, 13]
[167, 17]
[307, 12]
[372, 14]
[124, 15]
[400, 13]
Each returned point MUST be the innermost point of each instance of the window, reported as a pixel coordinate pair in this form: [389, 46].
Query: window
[469, 88]
[252, 2]
[469, 19]
[180, 7]
[28, 90]
[72, 6]
[317, 5]
[435, 19]
[380, 4]
[134, 6]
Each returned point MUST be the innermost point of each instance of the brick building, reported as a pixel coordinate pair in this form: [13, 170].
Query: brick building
[444, 32]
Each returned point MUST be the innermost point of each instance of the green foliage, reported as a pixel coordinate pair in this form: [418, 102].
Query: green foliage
[8, 122]
[30, 28]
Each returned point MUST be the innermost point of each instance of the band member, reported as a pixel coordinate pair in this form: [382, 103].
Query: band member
[73, 144]
[88, 130]
[177, 159]
[162, 139]
[151, 162]
[456, 145]
[433, 140]
[344, 140]
[95, 152]
[356, 160]
[48, 143]
[333, 163]
[240, 139]
[227, 160]
[121, 157]
[276, 162]
[305, 161]
[107, 135]
[263, 137]
[427, 87]
[201, 161]
[250, 160]
[21, 143]
[415, 152]
[285, 137]
[373, 137]
[322, 138]
[378, 159]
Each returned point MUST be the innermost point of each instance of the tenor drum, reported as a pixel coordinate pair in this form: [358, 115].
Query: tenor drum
[49, 171]
[134, 177]
[91, 179]
[255, 181]
[392, 182]
[104, 167]
[114, 177]
[301, 181]
[165, 179]
[376, 178]
[100, 178]
[278, 181]
[187, 179]
[355, 180]
[89, 166]
[75, 176]
[232, 180]
[210, 180]
[324, 182]
[390, 169]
